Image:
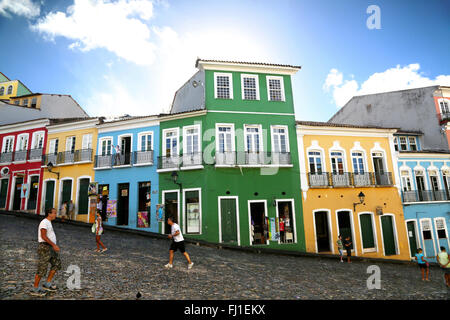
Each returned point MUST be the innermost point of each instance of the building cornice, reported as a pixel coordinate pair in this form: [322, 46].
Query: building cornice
[247, 67]
[70, 126]
[22, 126]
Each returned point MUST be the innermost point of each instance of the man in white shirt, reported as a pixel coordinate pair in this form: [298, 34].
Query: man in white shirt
[48, 252]
[177, 244]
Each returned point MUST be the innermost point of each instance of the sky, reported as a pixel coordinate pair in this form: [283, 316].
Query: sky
[117, 57]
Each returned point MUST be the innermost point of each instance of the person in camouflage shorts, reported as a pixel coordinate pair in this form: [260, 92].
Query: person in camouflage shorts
[47, 255]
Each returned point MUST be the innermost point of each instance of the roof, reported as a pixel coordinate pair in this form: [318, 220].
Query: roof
[5, 76]
[55, 121]
[131, 118]
[247, 63]
[400, 131]
[339, 125]
[427, 151]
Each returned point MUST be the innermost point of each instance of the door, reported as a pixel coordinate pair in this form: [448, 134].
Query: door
[388, 235]
[428, 239]
[259, 228]
[83, 199]
[170, 209]
[17, 199]
[49, 195]
[378, 166]
[228, 220]
[421, 188]
[34, 187]
[367, 231]
[322, 234]
[345, 226]
[66, 191]
[412, 237]
[3, 192]
[123, 203]
[125, 149]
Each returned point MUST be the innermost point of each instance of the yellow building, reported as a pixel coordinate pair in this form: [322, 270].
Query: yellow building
[69, 162]
[11, 88]
[350, 187]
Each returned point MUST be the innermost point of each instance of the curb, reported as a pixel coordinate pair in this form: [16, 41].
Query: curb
[203, 243]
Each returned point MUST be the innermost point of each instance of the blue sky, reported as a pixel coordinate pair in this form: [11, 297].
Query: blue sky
[129, 56]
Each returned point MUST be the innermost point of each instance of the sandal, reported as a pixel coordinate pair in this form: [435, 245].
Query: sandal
[104, 250]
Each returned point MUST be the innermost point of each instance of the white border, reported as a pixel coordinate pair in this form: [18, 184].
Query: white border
[230, 79]
[254, 76]
[163, 197]
[397, 249]
[236, 198]
[283, 95]
[184, 209]
[294, 226]
[374, 231]
[330, 229]
[249, 202]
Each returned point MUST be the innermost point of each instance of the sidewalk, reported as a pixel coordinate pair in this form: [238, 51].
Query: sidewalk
[214, 245]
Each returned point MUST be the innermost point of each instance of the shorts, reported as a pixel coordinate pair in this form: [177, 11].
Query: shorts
[349, 253]
[341, 252]
[177, 246]
[46, 255]
[446, 270]
[422, 265]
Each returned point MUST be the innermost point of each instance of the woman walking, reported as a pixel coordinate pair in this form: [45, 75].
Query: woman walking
[98, 232]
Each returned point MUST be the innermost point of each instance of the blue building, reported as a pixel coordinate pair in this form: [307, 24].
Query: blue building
[125, 166]
[425, 182]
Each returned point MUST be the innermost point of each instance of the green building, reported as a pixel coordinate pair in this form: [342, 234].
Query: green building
[228, 164]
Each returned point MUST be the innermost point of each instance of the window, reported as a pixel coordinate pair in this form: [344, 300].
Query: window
[33, 102]
[440, 228]
[412, 143]
[54, 146]
[434, 179]
[146, 141]
[403, 144]
[171, 143]
[22, 142]
[193, 211]
[10, 90]
[25, 102]
[2, 91]
[191, 140]
[87, 141]
[406, 180]
[358, 162]
[250, 87]
[426, 230]
[252, 137]
[280, 141]
[444, 106]
[106, 146]
[8, 144]
[224, 139]
[337, 162]
[315, 162]
[17, 102]
[38, 140]
[223, 85]
[396, 143]
[144, 202]
[70, 144]
[275, 88]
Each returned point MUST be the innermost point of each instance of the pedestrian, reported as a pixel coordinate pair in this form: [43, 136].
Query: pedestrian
[97, 228]
[340, 247]
[117, 155]
[70, 210]
[348, 246]
[282, 231]
[48, 252]
[177, 244]
[444, 262]
[104, 201]
[423, 264]
[63, 211]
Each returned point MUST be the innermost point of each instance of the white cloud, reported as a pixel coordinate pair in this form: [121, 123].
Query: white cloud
[119, 27]
[398, 78]
[25, 8]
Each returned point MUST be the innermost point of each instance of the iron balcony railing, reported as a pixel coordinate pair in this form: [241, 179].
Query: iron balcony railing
[122, 159]
[83, 155]
[253, 158]
[66, 157]
[227, 158]
[143, 157]
[170, 162]
[6, 157]
[35, 154]
[192, 159]
[349, 179]
[49, 157]
[445, 116]
[103, 161]
[20, 155]
[425, 195]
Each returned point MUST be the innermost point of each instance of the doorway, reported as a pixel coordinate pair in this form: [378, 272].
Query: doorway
[345, 225]
[3, 192]
[229, 230]
[412, 237]
[34, 187]
[66, 193]
[17, 188]
[123, 204]
[378, 165]
[387, 225]
[170, 200]
[125, 150]
[322, 231]
[49, 195]
[286, 214]
[258, 223]
[83, 199]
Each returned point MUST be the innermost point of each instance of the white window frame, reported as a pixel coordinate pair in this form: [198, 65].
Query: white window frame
[52, 146]
[362, 157]
[185, 140]
[261, 144]
[141, 135]
[445, 101]
[253, 76]
[344, 167]
[402, 176]
[294, 226]
[437, 175]
[415, 143]
[199, 190]
[272, 137]
[433, 239]
[396, 146]
[400, 143]
[18, 141]
[374, 232]
[283, 96]
[10, 90]
[352, 226]
[230, 80]
[394, 226]
[89, 141]
[177, 137]
[330, 229]
[266, 215]
[236, 198]
[445, 229]
[72, 139]
[11, 145]
[100, 143]
[35, 138]
[233, 138]
[315, 162]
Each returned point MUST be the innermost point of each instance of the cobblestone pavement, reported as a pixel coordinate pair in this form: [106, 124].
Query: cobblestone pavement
[134, 263]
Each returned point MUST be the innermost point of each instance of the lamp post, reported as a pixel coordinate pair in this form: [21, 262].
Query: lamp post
[361, 197]
[50, 168]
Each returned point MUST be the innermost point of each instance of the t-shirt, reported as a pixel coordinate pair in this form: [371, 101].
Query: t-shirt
[419, 257]
[340, 245]
[347, 244]
[46, 224]
[443, 258]
[175, 228]
[281, 225]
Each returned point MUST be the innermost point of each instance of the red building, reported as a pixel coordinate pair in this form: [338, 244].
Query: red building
[22, 146]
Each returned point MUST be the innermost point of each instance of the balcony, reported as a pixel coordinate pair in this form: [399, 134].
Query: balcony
[20, 155]
[65, 157]
[225, 158]
[192, 159]
[103, 162]
[252, 158]
[83, 155]
[171, 162]
[35, 154]
[349, 179]
[425, 196]
[445, 116]
[143, 157]
[122, 159]
[6, 157]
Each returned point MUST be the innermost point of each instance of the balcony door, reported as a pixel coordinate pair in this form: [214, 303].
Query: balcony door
[378, 166]
[420, 185]
[125, 150]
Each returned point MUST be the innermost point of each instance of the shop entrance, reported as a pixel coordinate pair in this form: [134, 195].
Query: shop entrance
[345, 226]
[286, 217]
[170, 209]
[3, 192]
[258, 223]
[322, 234]
[34, 187]
[123, 204]
[17, 188]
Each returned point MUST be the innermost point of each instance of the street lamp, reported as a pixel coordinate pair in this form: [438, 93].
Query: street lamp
[361, 197]
[50, 168]
[175, 178]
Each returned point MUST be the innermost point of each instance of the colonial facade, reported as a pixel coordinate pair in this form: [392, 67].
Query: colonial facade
[349, 187]
[229, 161]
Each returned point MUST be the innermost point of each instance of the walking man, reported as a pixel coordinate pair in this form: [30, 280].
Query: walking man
[177, 244]
[48, 252]
[444, 262]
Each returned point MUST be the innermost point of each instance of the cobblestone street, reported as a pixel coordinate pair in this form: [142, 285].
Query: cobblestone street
[135, 263]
